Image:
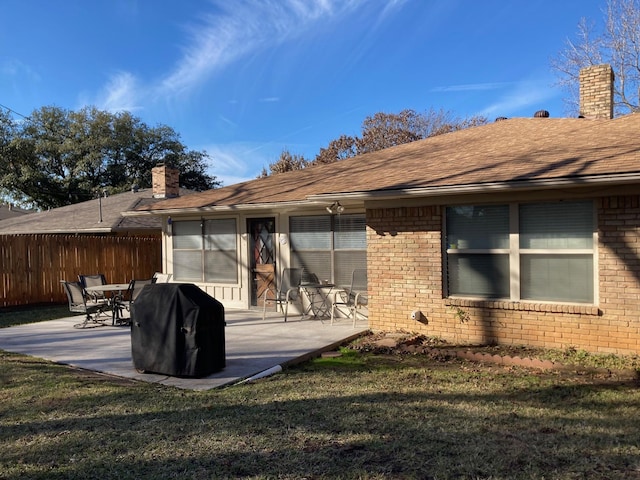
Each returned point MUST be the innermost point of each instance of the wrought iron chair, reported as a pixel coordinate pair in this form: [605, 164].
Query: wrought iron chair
[353, 298]
[135, 287]
[78, 303]
[93, 281]
[288, 291]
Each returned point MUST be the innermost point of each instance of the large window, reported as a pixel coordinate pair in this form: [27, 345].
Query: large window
[536, 251]
[330, 246]
[205, 250]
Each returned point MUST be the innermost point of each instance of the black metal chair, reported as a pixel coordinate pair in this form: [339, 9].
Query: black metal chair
[93, 281]
[135, 287]
[78, 303]
[353, 298]
[288, 291]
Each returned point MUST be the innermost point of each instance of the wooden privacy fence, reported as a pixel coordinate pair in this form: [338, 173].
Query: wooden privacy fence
[32, 266]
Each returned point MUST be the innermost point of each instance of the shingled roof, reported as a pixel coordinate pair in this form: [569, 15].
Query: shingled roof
[9, 211]
[525, 153]
[93, 216]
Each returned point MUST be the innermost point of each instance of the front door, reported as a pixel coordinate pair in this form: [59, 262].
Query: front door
[262, 259]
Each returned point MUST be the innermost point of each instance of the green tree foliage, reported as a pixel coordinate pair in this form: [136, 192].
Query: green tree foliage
[58, 157]
[616, 43]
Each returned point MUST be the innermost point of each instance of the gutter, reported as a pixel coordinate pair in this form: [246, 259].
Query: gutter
[221, 208]
[408, 192]
[521, 185]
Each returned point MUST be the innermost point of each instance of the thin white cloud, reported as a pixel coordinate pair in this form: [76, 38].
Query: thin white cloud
[228, 121]
[270, 99]
[526, 94]
[235, 162]
[470, 87]
[120, 94]
[16, 68]
[235, 30]
[242, 27]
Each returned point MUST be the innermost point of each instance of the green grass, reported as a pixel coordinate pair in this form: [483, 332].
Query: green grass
[357, 416]
[20, 315]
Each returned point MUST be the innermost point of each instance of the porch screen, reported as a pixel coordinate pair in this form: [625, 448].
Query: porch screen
[205, 250]
[535, 251]
[329, 246]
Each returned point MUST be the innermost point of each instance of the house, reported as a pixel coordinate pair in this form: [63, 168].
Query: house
[40, 249]
[103, 215]
[9, 211]
[522, 231]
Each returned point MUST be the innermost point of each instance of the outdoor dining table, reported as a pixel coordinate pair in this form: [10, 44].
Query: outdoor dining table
[115, 293]
[318, 296]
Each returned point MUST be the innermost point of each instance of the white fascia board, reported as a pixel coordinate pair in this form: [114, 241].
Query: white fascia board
[542, 184]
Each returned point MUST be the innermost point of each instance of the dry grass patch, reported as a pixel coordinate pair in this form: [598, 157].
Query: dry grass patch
[360, 415]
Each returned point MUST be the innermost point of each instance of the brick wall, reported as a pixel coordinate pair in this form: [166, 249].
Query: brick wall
[404, 262]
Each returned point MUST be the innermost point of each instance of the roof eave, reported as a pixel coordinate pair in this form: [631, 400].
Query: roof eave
[222, 208]
[409, 192]
[520, 185]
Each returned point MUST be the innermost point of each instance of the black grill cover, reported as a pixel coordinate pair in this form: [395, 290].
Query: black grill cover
[177, 329]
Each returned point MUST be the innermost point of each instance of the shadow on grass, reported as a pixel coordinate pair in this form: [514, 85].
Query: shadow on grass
[351, 421]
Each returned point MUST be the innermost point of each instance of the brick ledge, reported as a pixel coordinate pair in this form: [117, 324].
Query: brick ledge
[524, 306]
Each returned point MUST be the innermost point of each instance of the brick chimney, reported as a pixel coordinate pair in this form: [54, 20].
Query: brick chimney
[165, 182]
[596, 92]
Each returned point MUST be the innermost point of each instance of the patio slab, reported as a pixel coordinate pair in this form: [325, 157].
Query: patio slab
[252, 346]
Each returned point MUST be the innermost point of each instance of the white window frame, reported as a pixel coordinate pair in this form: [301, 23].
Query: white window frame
[334, 249]
[515, 251]
[204, 248]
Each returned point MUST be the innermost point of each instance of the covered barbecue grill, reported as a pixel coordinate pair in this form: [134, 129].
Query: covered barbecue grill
[177, 329]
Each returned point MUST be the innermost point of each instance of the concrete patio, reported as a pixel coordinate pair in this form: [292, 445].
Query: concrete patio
[252, 346]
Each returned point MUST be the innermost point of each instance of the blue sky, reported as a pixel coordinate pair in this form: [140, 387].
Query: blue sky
[246, 79]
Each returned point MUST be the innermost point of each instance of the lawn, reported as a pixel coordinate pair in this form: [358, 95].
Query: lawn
[19, 315]
[361, 415]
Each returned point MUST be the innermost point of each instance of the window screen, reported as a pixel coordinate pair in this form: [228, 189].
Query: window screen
[329, 246]
[205, 250]
[552, 259]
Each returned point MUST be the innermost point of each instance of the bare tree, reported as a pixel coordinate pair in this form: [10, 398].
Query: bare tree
[382, 130]
[286, 163]
[616, 43]
[339, 149]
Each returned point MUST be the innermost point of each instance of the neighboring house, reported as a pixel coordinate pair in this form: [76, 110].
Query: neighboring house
[523, 231]
[101, 215]
[10, 211]
[40, 249]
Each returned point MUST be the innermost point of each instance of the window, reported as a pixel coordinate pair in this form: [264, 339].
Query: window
[205, 250]
[329, 246]
[536, 251]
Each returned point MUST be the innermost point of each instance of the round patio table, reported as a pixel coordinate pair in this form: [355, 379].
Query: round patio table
[115, 293]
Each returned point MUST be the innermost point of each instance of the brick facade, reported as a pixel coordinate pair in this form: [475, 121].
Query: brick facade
[405, 274]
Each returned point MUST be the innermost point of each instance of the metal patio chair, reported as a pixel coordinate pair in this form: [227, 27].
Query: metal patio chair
[80, 303]
[93, 281]
[135, 287]
[288, 291]
[353, 298]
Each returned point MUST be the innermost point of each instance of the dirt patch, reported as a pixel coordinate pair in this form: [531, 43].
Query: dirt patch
[403, 344]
